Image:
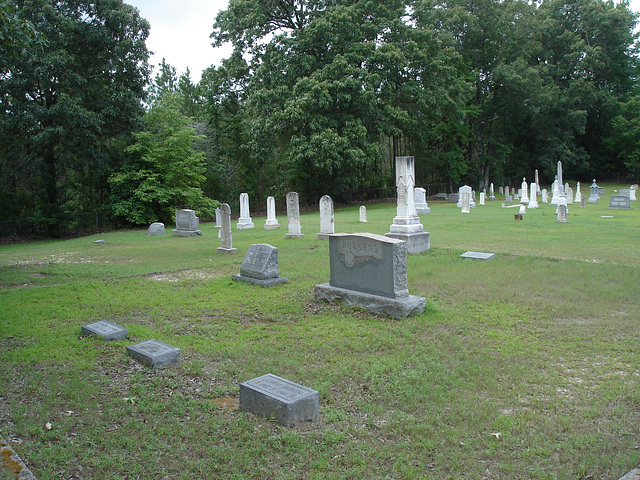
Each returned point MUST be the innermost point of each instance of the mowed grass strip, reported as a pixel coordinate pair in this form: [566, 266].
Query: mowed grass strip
[524, 366]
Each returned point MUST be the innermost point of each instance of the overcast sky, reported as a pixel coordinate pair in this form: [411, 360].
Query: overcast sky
[180, 32]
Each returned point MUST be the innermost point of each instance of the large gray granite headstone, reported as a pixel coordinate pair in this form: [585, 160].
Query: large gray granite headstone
[278, 399]
[104, 329]
[156, 354]
[260, 266]
[619, 202]
[156, 228]
[369, 271]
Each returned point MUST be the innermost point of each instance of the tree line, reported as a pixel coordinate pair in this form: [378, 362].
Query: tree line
[318, 96]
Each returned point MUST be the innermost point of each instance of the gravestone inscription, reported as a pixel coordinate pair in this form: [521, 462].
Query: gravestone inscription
[156, 354]
[104, 329]
[369, 271]
[278, 399]
[260, 266]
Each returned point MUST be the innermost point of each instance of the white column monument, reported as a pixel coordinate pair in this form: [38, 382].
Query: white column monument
[406, 224]
[245, 219]
[272, 222]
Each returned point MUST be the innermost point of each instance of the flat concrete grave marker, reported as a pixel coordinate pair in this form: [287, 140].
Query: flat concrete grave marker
[619, 202]
[260, 266]
[156, 228]
[155, 354]
[104, 329]
[278, 399]
[478, 255]
[369, 271]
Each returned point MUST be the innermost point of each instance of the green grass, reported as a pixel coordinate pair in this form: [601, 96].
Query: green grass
[524, 366]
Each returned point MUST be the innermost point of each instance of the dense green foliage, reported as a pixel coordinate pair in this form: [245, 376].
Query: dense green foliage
[318, 96]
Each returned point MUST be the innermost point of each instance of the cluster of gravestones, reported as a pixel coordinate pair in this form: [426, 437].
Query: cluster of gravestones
[366, 270]
[527, 196]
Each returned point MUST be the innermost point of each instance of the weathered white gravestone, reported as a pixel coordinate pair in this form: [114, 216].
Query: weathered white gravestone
[501, 190]
[555, 195]
[578, 198]
[156, 354]
[406, 224]
[492, 195]
[568, 191]
[326, 218]
[272, 222]
[524, 198]
[420, 198]
[226, 245]
[244, 221]
[186, 224]
[469, 190]
[533, 199]
[104, 329]
[632, 193]
[544, 198]
[363, 214]
[369, 271]
[293, 216]
[562, 213]
[483, 197]
[260, 266]
[156, 228]
[275, 398]
[466, 202]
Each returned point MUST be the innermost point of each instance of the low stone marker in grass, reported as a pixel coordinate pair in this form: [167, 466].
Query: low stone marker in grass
[155, 354]
[156, 228]
[280, 400]
[104, 329]
[369, 271]
[260, 266]
[619, 202]
[478, 255]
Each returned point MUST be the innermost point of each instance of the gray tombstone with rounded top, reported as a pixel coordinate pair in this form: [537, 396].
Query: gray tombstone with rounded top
[156, 228]
[369, 271]
[226, 240]
[260, 266]
[278, 399]
[293, 216]
[326, 218]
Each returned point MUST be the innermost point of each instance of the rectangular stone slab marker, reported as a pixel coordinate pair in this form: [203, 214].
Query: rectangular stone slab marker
[155, 354]
[105, 329]
[478, 255]
[281, 400]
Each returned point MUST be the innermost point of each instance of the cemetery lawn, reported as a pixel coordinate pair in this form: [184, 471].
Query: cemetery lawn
[525, 366]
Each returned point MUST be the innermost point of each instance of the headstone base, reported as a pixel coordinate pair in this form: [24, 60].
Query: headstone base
[423, 210]
[186, 233]
[416, 242]
[272, 226]
[394, 307]
[226, 250]
[105, 329]
[245, 225]
[278, 399]
[322, 236]
[263, 282]
[294, 235]
[155, 354]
